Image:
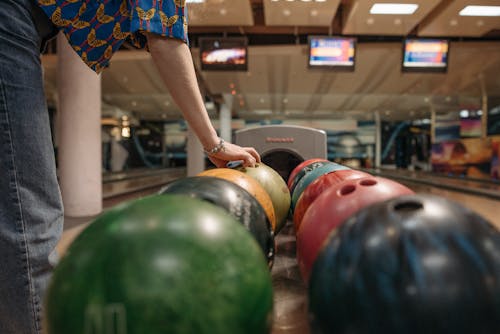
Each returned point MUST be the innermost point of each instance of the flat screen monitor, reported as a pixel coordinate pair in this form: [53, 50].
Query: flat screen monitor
[425, 55]
[332, 52]
[224, 54]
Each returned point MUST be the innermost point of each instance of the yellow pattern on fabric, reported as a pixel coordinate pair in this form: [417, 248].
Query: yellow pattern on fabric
[109, 52]
[117, 32]
[80, 24]
[145, 15]
[101, 17]
[124, 9]
[58, 20]
[82, 9]
[47, 2]
[168, 21]
[180, 3]
[93, 41]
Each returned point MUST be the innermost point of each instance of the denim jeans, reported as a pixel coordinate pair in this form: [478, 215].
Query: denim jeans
[31, 213]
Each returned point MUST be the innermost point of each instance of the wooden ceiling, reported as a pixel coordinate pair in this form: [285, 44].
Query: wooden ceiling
[278, 83]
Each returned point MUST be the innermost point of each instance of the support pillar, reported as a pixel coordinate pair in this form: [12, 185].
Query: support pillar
[225, 118]
[484, 107]
[79, 154]
[378, 139]
[195, 154]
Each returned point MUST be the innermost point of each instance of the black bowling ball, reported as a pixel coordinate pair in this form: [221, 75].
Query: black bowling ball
[233, 198]
[414, 264]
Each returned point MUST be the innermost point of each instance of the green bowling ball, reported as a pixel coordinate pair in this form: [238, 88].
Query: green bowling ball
[161, 264]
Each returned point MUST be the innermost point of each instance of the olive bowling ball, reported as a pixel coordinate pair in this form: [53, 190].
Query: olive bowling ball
[276, 187]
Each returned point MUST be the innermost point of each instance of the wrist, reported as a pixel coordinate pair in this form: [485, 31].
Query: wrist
[214, 149]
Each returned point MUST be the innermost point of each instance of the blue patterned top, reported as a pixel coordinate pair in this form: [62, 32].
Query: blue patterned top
[97, 29]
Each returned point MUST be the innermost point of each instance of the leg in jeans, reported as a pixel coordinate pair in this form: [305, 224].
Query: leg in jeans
[30, 204]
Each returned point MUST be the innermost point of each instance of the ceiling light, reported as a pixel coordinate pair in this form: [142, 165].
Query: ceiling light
[480, 11]
[195, 1]
[394, 8]
[320, 0]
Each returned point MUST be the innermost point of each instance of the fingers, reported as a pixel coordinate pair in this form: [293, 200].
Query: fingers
[249, 161]
[232, 152]
[253, 152]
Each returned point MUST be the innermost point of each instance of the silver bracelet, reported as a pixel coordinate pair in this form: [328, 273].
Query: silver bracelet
[218, 148]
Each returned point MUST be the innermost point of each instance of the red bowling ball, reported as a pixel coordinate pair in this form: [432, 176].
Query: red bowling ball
[291, 178]
[333, 207]
[297, 168]
[320, 185]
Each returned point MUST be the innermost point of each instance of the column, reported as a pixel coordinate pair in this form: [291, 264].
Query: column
[484, 107]
[195, 154]
[225, 118]
[79, 155]
[378, 138]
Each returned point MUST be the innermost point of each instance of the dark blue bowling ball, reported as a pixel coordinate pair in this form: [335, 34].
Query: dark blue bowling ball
[414, 264]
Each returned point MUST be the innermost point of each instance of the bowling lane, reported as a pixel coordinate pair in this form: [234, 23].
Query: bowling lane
[117, 184]
[290, 292]
[481, 196]
[118, 188]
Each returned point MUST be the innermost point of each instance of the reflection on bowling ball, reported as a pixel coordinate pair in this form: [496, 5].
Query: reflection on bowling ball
[414, 264]
[235, 200]
[249, 184]
[318, 186]
[312, 175]
[333, 207]
[161, 264]
[302, 169]
[275, 186]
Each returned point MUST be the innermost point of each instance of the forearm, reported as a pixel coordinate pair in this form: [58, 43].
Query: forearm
[173, 60]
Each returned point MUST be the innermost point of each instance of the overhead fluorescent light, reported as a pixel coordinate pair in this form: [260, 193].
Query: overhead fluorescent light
[394, 8]
[480, 11]
[195, 1]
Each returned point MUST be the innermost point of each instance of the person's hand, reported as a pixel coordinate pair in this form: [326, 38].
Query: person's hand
[232, 152]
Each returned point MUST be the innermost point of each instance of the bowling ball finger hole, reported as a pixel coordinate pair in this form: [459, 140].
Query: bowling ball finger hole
[408, 207]
[368, 182]
[346, 190]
